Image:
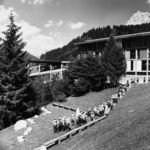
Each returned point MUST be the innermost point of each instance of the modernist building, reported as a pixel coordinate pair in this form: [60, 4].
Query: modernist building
[136, 48]
[47, 69]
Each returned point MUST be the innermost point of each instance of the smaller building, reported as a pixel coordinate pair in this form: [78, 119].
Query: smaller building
[47, 69]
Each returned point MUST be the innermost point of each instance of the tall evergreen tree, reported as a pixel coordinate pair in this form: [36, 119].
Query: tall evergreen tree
[16, 94]
[89, 70]
[114, 60]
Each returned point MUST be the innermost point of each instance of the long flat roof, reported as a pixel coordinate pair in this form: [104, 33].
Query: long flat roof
[116, 37]
[48, 61]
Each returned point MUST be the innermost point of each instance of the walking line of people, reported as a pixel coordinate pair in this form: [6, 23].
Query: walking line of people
[80, 118]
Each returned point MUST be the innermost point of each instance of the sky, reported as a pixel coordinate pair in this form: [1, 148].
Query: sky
[49, 24]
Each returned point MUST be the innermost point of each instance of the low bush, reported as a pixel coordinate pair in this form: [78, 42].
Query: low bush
[32, 111]
[80, 87]
[44, 94]
[61, 98]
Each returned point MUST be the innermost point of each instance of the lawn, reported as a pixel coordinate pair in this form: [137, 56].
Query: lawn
[126, 128]
[90, 100]
[42, 129]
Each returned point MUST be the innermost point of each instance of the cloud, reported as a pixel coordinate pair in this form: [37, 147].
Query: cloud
[60, 23]
[37, 41]
[77, 25]
[34, 2]
[4, 13]
[38, 44]
[40, 2]
[51, 23]
[148, 1]
[28, 29]
[139, 18]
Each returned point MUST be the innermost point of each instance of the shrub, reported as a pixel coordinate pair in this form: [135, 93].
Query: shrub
[60, 86]
[31, 112]
[80, 87]
[61, 98]
[89, 70]
[44, 94]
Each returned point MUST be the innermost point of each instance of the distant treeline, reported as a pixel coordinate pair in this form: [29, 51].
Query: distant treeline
[69, 51]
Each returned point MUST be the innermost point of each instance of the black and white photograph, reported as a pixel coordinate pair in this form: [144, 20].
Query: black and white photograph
[74, 74]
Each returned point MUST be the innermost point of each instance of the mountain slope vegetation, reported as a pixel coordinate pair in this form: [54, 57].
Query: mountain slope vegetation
[70, 51]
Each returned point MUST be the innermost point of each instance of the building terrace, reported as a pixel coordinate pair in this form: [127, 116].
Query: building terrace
[47, 69]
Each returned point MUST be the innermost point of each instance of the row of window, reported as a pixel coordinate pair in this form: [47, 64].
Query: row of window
[140, 54]
[84, 55]
[143, 66]
[138, 73]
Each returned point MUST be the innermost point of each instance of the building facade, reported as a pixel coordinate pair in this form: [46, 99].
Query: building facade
[47, 69]
[136, 48]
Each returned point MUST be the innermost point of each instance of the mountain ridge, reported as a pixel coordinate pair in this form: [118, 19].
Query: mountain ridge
[69, 51]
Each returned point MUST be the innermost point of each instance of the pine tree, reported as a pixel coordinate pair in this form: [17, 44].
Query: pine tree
[114, 60]
[16, 94]
[88, 70]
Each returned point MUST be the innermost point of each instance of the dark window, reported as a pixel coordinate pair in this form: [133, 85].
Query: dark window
[131, 65]
[141, 73]
[138, 54]
[132, 54]
[97, 53]
[148, 54]
[130, 73]
[143, 65]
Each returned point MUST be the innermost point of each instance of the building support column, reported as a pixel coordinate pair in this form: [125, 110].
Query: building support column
[147, 64]
[39, 68]
[50, 68]
[136, 55]
[61, 72]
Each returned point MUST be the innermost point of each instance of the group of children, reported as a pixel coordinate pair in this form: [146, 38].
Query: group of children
[80, 118]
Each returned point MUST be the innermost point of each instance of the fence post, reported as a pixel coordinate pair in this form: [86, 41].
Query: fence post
[59, 141]
[43, 147]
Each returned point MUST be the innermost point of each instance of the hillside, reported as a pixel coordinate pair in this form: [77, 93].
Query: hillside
[42, 128]
[126, 128]
[69, 50]
[30, 57]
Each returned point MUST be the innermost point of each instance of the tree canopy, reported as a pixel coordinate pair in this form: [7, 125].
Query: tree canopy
[113, 60]
[90, 70]
[16, 93]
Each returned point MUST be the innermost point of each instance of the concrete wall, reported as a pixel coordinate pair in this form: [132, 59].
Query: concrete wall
[139, 65]
[127, 54]
[128, 65]
[143, 54]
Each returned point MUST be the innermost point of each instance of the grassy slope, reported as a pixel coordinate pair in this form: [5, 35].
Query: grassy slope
[42, 130]
[90, 100]
[126, 128]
